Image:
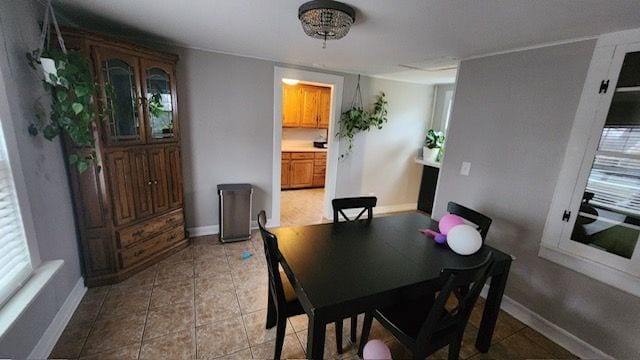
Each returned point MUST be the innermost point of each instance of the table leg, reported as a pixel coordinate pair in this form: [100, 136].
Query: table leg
[315, 337]
[492, 309]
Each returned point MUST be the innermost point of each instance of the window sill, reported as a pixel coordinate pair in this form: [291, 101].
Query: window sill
[612, 277]
[21, 300]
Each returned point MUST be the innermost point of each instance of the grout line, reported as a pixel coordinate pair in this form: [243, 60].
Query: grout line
[95, 319]
[144, 327]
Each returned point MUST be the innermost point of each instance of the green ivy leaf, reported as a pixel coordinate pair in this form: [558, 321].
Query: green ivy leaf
[83, 165]
[50, 132]
[62, 95]
[81, 91]
[77, 108]
[73, 158]
[33, 130]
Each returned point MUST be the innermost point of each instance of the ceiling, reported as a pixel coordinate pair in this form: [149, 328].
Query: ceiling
[390, 39]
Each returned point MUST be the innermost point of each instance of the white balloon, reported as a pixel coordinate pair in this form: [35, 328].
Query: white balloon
[464, 239]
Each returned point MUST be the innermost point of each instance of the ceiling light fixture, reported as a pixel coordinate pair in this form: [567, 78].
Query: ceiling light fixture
[290, 81]
[326, 19]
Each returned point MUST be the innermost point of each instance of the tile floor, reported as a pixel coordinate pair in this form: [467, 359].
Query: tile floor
[301, 207]
[207, 303]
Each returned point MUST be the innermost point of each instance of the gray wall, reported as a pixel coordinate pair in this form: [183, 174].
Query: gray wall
[511, 119]
[45, 176]
[226, 107]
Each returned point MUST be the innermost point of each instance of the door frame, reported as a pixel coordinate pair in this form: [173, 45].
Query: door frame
[336, 83]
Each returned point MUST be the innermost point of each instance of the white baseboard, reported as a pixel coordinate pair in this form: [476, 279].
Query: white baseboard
[560, 336]
[50, 336]
[215, 229]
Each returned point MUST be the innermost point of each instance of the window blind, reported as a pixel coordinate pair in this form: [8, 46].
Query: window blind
[615, 176]
[15, 261]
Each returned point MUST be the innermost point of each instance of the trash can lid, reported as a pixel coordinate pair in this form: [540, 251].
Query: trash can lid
[235, 187]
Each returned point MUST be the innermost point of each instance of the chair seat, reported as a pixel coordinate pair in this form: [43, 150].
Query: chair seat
[408, 315]
[293, 305]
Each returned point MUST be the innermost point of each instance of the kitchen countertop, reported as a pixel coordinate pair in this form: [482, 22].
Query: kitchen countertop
[301, 148]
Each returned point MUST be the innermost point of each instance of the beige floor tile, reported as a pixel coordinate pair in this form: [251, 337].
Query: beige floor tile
[123, 353]
[255, 323]
[208, 266]
[516, 346]
[291, 349]
[115, 332]
[556, 351]
[252, 300]
[209, 285]
[71, 341]
[145, 277]
[208, 252]
[243, 354]
[178, 345]
[183, 255]
[125, 300]
[172, 292]
[168, 319]
[253, 263]
[398, 351]
[301, 207]
[299, 322]
[468, 348]
[255, 278]
[89, 307]
[505, 326]
[221, 338]
[330, 349]
[174, 272]
[222, 305]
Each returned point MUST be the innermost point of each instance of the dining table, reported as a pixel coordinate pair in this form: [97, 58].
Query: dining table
[341, 269]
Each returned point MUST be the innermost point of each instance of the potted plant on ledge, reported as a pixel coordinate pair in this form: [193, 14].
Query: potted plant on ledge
[432, 147]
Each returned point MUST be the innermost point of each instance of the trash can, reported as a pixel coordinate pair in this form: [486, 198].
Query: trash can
[235, 202]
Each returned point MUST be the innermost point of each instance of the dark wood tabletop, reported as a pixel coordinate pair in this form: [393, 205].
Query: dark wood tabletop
[346, 268]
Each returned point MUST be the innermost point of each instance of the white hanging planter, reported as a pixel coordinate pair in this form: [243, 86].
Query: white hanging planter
[430, 154]
[49, 68]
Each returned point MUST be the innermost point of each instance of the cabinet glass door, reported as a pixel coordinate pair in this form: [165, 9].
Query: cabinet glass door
[119, 72]
[160, 101]
[608, 221]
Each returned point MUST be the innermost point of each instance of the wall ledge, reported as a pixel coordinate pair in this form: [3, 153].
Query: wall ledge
[50, 337]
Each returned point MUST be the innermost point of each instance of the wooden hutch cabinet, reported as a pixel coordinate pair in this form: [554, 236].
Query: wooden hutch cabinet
[129, 211]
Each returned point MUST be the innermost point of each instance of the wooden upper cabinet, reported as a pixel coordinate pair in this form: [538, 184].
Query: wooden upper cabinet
[141, 183]
[174, 173]
[160, 186]
[324, 108]
[120, 181]
[291, 105]
[160, 104]
[310, 101]
[118, 75]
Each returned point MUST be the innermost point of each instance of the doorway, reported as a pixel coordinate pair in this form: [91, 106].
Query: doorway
[304, 176]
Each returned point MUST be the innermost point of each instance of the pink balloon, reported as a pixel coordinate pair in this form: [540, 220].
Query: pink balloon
[376, 350]
[448, 221]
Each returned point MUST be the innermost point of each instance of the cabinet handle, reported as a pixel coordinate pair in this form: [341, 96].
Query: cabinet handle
[138, 233]
[149, 183]
[155, 182]
[138, 253]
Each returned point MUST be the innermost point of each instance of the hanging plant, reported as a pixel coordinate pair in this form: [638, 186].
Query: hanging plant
[72, 88]
[356, 119]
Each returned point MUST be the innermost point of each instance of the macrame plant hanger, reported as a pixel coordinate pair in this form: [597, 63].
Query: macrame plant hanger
[48, 64]
[357, 97]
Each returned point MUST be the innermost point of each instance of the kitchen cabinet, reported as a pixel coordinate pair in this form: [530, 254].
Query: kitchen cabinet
[129, 209]
[306, 106]
[303, 170]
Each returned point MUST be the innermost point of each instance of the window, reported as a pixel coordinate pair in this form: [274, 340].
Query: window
[15, 261]
[594, 222]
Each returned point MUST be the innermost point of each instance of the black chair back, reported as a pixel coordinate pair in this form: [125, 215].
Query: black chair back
[442, 320]
[482, 221]
[272, 254]
[366, 203]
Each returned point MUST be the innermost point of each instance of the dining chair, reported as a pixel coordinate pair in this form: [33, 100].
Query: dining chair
[366, 203]
[282, 299]
[482, 221]
[428, 327]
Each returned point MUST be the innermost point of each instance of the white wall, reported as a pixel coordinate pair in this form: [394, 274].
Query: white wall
[511, 119]
[45, 176]
[382, 162]
[226, 109]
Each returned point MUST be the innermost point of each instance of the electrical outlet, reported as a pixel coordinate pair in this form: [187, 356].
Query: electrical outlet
[465, 168]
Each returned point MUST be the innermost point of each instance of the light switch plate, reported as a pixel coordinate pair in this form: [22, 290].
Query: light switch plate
[465, 168]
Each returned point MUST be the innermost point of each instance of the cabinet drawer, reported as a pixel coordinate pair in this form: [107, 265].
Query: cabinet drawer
[318, 180]
[135, 233]
[302, 156]
[321, 156]
[145, 249]
[319, 170]
[286, 156]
